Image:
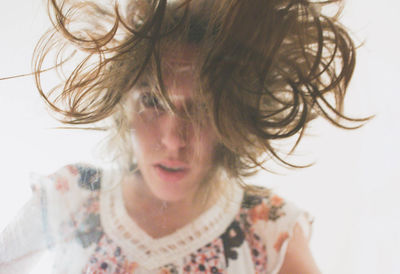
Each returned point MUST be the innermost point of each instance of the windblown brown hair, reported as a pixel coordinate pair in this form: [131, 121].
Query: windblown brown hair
[265, 67]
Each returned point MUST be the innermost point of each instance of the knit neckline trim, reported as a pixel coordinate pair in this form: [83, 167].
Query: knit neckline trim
[153, 253]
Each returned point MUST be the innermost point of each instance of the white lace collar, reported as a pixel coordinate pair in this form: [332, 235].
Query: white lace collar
[153, 253]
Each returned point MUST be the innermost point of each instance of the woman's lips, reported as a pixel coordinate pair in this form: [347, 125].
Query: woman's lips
[171, 171]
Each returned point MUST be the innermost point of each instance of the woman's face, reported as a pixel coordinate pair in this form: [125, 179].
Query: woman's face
[174, 158]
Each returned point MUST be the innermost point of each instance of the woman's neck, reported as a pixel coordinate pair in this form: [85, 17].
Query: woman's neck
[156, 217]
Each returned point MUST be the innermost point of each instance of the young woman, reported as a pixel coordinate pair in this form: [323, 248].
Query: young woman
[195, 95]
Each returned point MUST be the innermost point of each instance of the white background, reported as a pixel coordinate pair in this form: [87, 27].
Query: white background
[352, 191]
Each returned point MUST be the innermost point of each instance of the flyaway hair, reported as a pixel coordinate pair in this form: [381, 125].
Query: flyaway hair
[265, 68]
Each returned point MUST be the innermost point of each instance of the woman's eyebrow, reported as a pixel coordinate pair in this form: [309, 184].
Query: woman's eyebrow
[179, 99]
[183, 68]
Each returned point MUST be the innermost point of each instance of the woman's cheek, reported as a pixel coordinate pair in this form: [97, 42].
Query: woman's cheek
[143, 135]
[146, 135]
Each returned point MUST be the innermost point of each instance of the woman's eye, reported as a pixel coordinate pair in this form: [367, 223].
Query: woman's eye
[149, 100]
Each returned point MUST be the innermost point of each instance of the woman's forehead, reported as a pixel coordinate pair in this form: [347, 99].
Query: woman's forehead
[179, 73]
[178, 68]
[180, 84]
[180, 59]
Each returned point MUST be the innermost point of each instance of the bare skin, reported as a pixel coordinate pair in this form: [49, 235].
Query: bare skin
[146, 212]
[298, 258]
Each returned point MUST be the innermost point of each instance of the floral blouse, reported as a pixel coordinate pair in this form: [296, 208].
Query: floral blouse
[78, 214]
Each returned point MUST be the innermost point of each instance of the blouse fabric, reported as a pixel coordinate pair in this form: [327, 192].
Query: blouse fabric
[78, 214]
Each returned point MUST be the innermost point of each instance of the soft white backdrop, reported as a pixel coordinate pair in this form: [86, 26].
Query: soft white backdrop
[352, 191]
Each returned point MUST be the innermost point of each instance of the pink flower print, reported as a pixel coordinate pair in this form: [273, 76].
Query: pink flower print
[73, 170]
[129, 267]
[62, 184]
[259, 212]
[276, 201]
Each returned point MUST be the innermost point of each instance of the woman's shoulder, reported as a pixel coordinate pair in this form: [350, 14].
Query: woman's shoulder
[272, 219]
[68, 201]
[264, 204]
[70, 178]
[68, 190]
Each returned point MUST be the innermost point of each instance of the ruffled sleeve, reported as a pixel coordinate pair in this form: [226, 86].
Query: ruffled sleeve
[23, 241]
[46, 219]
[280, 232]
[274, 220]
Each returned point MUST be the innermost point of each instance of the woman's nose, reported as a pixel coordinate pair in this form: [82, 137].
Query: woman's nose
[174, 132]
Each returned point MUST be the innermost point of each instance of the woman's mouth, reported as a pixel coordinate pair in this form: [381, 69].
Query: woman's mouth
[171, 171]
